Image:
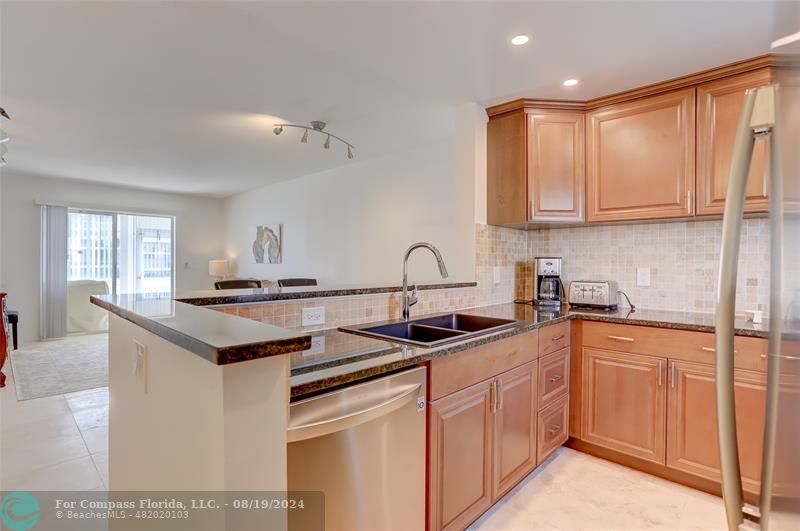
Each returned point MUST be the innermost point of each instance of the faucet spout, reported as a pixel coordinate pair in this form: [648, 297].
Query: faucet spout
[410, 300]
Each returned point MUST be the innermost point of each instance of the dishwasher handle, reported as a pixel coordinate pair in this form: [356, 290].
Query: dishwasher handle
[391, 401]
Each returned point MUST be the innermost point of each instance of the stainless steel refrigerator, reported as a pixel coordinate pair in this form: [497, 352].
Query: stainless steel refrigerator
[770, 114]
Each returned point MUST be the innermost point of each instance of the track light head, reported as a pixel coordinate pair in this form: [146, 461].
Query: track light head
[4, 114]
[304, 139]
[3, 136]
[327, 144]
[278, 130]
[349, 152]
[3, 162]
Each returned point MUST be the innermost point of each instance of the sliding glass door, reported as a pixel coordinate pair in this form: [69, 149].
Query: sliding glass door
[89, 252]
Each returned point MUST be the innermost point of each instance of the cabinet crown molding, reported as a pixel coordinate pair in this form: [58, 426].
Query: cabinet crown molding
[738, 67]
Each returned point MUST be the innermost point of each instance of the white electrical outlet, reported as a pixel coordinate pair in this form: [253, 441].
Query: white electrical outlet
[140, 363]
[314, 316]
[496, 275]
[317, 346]
[643, 276]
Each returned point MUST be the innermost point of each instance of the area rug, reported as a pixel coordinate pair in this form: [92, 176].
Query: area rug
[60, 366]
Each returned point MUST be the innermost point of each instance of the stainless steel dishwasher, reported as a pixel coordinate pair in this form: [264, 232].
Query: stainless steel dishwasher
[364, 447]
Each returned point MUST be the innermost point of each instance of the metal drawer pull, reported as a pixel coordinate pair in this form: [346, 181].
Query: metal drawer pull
[659, 373]
[622, 338]
[555, 378]
[555, 429]
[712, 349]
[556, 338]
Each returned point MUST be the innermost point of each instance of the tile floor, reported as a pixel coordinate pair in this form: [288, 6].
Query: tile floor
[53, 443]
[575, 491]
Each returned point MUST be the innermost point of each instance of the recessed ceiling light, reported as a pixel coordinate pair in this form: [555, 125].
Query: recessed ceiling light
[519, 40]
[570, 82]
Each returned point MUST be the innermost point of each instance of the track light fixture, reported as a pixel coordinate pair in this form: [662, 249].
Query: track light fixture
[3, 136]
[316, 126]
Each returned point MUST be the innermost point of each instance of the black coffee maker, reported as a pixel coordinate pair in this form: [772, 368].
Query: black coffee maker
[548, 290]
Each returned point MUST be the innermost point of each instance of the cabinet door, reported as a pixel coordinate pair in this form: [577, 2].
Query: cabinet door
[460, 487]
[506, 175]
[624, 400]
[640, 158]
[692, 415]
[514, 427]
[556, 166]
[719, 104]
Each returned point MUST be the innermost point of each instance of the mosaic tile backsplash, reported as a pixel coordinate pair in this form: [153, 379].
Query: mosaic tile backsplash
[682, 257]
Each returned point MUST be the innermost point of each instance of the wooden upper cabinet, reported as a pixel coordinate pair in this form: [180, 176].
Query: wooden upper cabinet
[514, 427]
[535, 167]
[640, 158]
[556, 167]
[506, 185]
[624, 403]
[692, 432]
[719, 104]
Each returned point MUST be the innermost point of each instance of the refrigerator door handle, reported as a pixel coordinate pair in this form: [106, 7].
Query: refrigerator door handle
[725, 314]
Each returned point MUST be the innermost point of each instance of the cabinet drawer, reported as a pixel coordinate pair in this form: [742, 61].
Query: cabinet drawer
[553, 377]
[684, 345]
[453, 373]
[553, 425]
[553, 338]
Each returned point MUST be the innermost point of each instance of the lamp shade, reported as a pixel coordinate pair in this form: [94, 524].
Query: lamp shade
[218, 268]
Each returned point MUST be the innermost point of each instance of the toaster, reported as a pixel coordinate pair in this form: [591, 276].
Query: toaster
[594, 294]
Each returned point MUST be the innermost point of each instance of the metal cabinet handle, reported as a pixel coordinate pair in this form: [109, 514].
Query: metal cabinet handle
[493, 396]
[555, 429]
[556, 338]
[555, 378]
[622, 338]
[500, 394]
[324, 427]
[712, 349]
[672, 374]
[660, 370]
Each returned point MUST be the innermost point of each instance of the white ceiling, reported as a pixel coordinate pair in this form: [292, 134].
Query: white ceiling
[183, 96]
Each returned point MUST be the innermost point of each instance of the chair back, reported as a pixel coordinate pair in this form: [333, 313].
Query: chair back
[237, 283]
[292, 282]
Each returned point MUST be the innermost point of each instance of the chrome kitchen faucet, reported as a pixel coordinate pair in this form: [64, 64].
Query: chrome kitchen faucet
[410, 300]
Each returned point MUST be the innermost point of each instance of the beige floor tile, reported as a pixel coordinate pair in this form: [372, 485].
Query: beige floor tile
[101, 463]
[91, 417]
[76, 474]
[90, 398]
[573, 491]
[96, 439]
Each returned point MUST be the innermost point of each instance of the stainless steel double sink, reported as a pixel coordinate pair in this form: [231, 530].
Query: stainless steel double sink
[433, 331]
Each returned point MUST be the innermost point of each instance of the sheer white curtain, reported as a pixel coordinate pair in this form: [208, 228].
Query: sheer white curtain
[54, 252]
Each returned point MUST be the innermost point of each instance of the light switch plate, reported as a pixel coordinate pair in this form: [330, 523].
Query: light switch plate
[643, 276]
[314, 316]
[317, 346]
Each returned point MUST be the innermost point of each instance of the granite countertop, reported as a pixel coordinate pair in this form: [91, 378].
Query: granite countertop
[275, 293]
[215, 336]
[329, 358]
[338, 358]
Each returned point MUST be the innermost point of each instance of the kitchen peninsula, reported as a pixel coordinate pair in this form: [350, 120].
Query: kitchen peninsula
[206, 374]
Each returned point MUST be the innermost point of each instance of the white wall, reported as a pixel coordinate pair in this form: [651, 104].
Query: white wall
[198, 228]
[351, 225]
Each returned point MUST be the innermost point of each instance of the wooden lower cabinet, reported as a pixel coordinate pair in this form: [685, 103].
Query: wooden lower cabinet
[692, 433]
[482, 442]
[624, 403]
[460, 457]
[514, 427]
